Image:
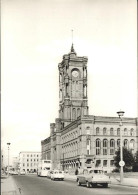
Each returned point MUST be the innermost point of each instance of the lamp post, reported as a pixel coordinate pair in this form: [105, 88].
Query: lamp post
[121, 163]
[8, 156]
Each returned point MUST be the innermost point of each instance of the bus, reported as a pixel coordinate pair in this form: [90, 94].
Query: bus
[43, 167]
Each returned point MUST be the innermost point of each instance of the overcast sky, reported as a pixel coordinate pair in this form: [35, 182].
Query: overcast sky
[35, 36]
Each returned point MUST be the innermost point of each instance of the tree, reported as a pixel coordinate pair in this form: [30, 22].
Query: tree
[128, 158]
[135, 167]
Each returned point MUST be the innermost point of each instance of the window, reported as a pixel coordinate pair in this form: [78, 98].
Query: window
[118, 131]
[105, 144]
[131, 132]
[98, 163]
[98, 147]
[132, 145]
[105, 163]
[27, 160]
[111, 131]
[74, 113]
[88, 130]
[27, 164]
[126, 143]
[88, 146]
[97, 131]
[104, 131]
[78, 112]
[112, 147]
[118, 143]
[125, 131]
[27, 155]
[112, 163]
[23, 164]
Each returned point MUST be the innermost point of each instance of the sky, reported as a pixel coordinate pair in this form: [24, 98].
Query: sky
[35, 36]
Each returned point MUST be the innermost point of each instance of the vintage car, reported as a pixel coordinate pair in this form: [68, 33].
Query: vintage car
[57, 175]
[14, 173]
[49, 174]
[92, 177]
[22, 172]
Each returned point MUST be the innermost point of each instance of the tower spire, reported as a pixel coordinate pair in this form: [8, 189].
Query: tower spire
[72, 35]
[72, 48]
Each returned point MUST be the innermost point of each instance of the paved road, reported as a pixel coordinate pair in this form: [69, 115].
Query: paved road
[33, 185]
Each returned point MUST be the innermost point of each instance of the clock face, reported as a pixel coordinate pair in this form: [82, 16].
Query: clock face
[75, 73]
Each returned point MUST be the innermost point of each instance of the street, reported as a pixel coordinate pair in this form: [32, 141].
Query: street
[33, 185]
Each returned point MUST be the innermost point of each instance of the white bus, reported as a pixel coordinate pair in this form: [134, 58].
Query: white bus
[43, 167]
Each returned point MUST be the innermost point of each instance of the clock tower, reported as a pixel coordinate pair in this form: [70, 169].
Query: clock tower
[73, 100]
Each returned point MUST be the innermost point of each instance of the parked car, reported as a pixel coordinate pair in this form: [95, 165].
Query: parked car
[15, 173]
[93, 177]
[49, 174]
[22, 172]
[57, 175]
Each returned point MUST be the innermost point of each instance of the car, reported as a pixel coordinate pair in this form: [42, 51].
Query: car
[49, 174]
[57, 175]
[93, 177]
[15, 173]
[22, 172]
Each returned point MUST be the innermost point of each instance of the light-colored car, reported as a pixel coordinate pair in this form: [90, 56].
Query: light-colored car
[49, 174]
[15, 173]
[22, 172]
[57, 175]
[93, 177]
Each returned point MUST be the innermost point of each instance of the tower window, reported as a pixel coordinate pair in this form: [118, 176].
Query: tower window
[97, 131]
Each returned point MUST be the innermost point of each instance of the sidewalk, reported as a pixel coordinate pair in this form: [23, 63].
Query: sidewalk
[8, 186]
[133, 182]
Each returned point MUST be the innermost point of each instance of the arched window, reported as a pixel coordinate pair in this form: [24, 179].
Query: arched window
[78, 112]
[60, 78]
[74, 113]
[132, 145]
[88, 145]
[105, 145]
[98, 146]
[125, 131]
[97, 130]
[88, 130]
[111, 131]
[132, 132]
[85, 91]
[112, 147]
[118, 143]
[126, 143]
[60, 95]
[104, 131]
[118, 131]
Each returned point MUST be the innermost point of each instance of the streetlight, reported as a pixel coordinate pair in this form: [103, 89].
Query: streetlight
[8, 156]
[121, 163]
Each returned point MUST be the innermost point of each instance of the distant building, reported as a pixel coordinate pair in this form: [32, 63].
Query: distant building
[77, 139]
[15, 163]
[28, 161]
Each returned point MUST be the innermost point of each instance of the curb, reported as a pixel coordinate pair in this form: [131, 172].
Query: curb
[70, 179]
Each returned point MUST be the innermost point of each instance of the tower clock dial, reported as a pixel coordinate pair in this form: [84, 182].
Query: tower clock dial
[75, 73]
